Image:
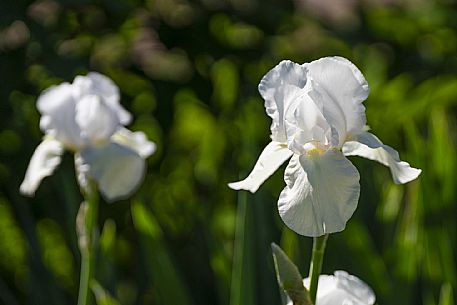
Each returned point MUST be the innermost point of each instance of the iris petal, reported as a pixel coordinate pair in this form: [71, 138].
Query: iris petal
[271, 158]
[58, 109]
[44, 161]
[135, 140]
[369, 146]
[305, 122]
[96, 120]
[279, 87]
[98, 84]
[343, 89]
[341, 289]
[117, 169]
[321, 193]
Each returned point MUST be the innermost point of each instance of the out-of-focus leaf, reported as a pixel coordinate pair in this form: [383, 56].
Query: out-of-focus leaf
[144, 222]
[394, 25]
[225, 83]
[234, 34]
[442, 148]
[201, 137]
[108, 236]
[390, 204]
[410, 235]
[160, 266]
[101, 295]
[446, 295]
[242, 287]
[13, 247]
[56, 254]
[361, 245]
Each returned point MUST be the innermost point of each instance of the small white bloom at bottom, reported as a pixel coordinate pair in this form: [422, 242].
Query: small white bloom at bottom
[342, 288]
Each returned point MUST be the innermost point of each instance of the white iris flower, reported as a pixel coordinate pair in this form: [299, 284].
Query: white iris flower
[86, 117]
[318, 119]
[342, 289]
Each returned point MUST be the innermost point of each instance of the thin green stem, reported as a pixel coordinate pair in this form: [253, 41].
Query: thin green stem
[316, 264]
[87, 231]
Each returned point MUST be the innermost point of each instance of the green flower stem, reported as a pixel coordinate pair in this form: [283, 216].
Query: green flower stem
[316, 264]
[87, 231]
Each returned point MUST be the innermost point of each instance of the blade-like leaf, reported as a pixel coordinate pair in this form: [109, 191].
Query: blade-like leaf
[101, 295]
[446, 296]
[159, 263]
[289, 278]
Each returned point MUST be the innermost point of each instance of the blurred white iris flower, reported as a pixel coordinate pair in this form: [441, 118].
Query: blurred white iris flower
[342, 289]
[318, 119]
[86, 118]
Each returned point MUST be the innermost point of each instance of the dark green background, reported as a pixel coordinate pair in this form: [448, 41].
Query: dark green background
[188, 71]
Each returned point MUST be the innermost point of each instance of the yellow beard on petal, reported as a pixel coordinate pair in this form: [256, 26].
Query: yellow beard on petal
[314, 149]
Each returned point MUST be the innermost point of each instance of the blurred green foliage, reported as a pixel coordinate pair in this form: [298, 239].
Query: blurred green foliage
[188, 70]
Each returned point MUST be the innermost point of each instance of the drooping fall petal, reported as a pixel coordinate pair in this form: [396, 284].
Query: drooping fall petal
[369, 146]
[321, 193]
[44, 161]
[271, 158]
[117, 169]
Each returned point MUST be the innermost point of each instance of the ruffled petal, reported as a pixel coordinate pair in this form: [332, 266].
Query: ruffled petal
[58, 109]
[342, 289]
[44, 161]
[98, 84]
[369, 146]
[97, 121]
[321, 193]
[117, 169]
[305, 122]
[279, 87]
[335, 134]
[136, 141]
[271, 158]
[327, 284]
[342, 88]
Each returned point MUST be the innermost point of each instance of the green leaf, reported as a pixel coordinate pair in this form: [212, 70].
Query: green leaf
[289, 278]
[159, 263]
[243, 285]
[446, 296]
[101, 295]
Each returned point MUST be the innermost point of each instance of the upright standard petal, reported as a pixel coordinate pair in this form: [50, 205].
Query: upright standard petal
[98, 84]
[58, 109]
[270, 160]
[97, 121]
[117, 169]
[136, 141]
[279, 87]
[369, 146]
[305, 122]
[344, 89]
[44, 161]
[342, 289]
[321, 193]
